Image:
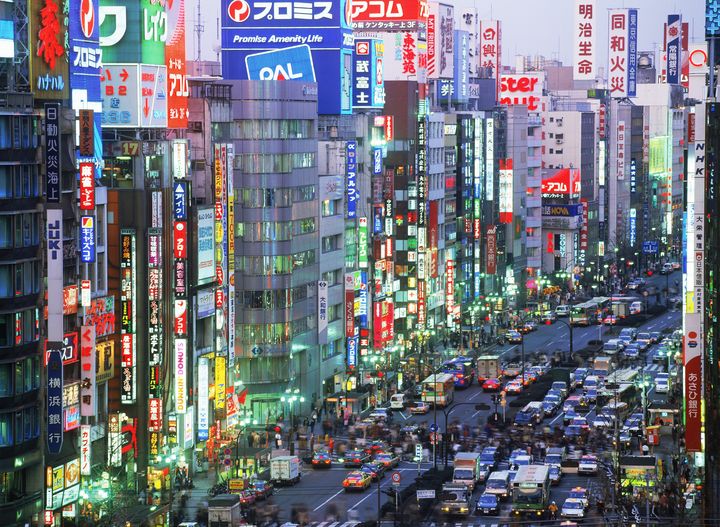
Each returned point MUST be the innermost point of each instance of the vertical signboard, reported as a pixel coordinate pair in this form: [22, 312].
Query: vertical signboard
[180, 375]
[491, 249]
[231, 256]
[673, 51]
[87, 239]
[632, 52]
[178, 92]
[620, 153]
[54, 246]
[52, 152]
[205, 245]
[322, 314]
[440, 28]
[220, 369]
[505, 190]
[618, 49]
[489, 159]
[351, 178]
[54, 398]
[85, 450]
[461, 66]
[203, 417]
[368, 74]
[88, 371]
[490, 49]
[128, 313]
[584, 28]
[47, 35]
[87, 186]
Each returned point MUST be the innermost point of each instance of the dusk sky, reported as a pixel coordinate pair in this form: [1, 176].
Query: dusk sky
[544, 28]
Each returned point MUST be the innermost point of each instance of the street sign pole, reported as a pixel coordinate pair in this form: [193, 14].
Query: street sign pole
[418, 456]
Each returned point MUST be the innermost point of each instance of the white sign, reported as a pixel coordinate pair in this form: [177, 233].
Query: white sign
[620, 154]
[505, 190]
[585, 30]
[489, 158]
[490, 48]
[206, 245]
[203, 425]
[85, 293]
[427, 494]
[55, 274]
[85, 450]
[180, 375]
[322, 311]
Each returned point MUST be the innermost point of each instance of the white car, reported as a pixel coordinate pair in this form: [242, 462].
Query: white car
[588, 465]
[573, 508]
[662, 383]
[579, 493]
[602, 421]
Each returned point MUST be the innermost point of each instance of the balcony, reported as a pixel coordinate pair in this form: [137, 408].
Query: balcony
[533, 221]
[533, 202]
[534, 161]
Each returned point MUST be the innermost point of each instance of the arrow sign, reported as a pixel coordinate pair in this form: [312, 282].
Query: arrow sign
[146, 108]
[124, 75]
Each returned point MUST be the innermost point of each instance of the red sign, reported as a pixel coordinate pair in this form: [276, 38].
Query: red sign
[601, 118]
[49, 47]
[521, 90]
[69, 349]
[564, 183]
[491, 252]
[181, 318]
[550, 243]
[388, 10]
[126, 354]
[87, 186]
[389, 128]
[693, 345]
[349, 313]
[155, 415]
[180, 239]
[584, 226]
[177, 94]
[449, 285]
[383, 320]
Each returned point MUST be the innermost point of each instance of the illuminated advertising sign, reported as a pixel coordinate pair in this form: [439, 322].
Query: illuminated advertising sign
[135, 95]
[363, 302]
[620, 152]
[85, 450]
[69, 349]
[155, 297]
[180, 326]
[180, 239]
[101, 314]
[206, 245]
[368, 74]
[633, 176]
[179, 200]
[155, 414]
[505, 188]
[231, 253]
[491, 48]
[7, 39]
[525, 89]
[288, 64]
[87, 239]
[88, 370]
[449, 286]
[322, 308]
[253, 27]
[489, 159]
[128, 313]
[461, 67]
[220, 367]
[52, 152]
[180, 278]
[349, 305]
[178, 90]
[54, 401]
[584, 61]
[352, 352]
[388, 15]
[673, 58]
[363, 243]
[565, 183]
[404, 56]
[564, 211]
[622, 52]
[353, 194]
[47, 36]
[87, 186]
[105, 361]
[383, 323]
[491, 249]
[203, 422]
[440, 41]
[180, 375]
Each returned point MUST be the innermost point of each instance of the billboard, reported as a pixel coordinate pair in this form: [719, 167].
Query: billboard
[135, 96]
[54, 402]
[585, 31]
[353, 194]
[565, 183]
[134, 31]
[440, 41]
[388, 15]
[461, 73]
[203, 404]
[265, 31]
[322, 308]
[622, 52]
[402, 57]
[7, 39]
[673, 51]
[53, 162]
[178, 91]
[54, 246]
[525, 89]
[491, 249]
[491, 48]
[205, 245]
[505, 189]
[87, 239]
[181, 360]
[368, 74]
[47, 33]
[88, 371]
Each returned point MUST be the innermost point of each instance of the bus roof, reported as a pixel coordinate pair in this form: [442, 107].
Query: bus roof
[440, 378]
[531, 474]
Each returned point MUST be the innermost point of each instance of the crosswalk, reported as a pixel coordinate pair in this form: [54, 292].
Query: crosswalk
[649, 368]
[355, 524]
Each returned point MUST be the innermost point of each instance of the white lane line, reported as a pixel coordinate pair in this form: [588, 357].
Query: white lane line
[403, 416]
[474, 395]
[558, 416]
[371, 495]
[328, 500]
[473, 415]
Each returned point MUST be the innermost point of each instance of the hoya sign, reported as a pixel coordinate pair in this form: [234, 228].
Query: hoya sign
[294, 63]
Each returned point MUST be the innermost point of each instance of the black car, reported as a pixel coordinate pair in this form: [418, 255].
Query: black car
[376, 470]
[263, 489]
[356, 458]
[487, 504]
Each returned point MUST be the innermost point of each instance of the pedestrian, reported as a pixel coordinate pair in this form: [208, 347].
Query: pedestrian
[552, 509]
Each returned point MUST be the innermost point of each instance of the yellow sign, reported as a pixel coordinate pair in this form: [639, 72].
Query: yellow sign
[105, 361]
[220, 371]
[236, 484]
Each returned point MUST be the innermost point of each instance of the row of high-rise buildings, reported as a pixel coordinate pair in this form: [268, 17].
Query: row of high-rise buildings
[190, 251]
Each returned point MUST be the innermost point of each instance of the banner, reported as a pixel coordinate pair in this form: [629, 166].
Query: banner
[491, 249]
[88, 371]
[322, 308]
[351, 178]
[505, 188]
[203, 387]
[180, 375]
[585, 31]
[673, 51]
[54, 399]
[85, 450]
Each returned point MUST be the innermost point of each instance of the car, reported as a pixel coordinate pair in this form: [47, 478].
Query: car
[529, 378]
[560, 386]
[569, 416]
[602, 421]
[321, 459]
[579, 421]
[660, 354]
[511, 370]
[420, 408]
[387, 459]
[625, 437]
[610, 320]
[591, 395]
[631, 351]
[555, 474]
[563, 310]
[574, 431]
[573, 508]
[580, 374]
[628, 334]
[636, 308]
[381, 414]
[588, 465]
[549, 317]
[667, 268]
[515, 454]
[514, 337]
[514, 388]
[376, 470]
[356, 458]
[262, 489]
[409, 428]
[644, 336]
[632, 285]
[487, 504]
[580, 493]
[662, 383]
[550, 407]
[529, 326]
[357, 479]
[643, 345]
[492, 385]
[373, 447]
[483, 472]
[247, 497]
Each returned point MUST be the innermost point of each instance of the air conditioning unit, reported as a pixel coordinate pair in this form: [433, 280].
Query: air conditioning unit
[559, 141]
[559, 122]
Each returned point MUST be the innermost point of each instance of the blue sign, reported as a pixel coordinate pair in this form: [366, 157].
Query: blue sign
[377, 155]
[351, 175]
[368, 83]
[179, 200]
[434, 427]
[632, 52]
[461, 92]
[54, 393]
[85, 63]
[363, 301]
[651, 247]
[672, 51]
[352, 345]
[253, 26]
[289, 64]
[87, 239]
[377, 220]
[446, 89]
[574, 209]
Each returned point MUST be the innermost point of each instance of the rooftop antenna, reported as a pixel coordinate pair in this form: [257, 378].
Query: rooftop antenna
[199, 30]
[217, 47]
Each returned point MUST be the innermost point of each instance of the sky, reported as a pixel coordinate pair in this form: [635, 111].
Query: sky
[529, 26]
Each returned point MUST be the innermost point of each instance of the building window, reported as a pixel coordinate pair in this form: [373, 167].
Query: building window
[331, 207]
[331, 243]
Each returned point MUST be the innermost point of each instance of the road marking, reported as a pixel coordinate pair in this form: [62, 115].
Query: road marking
[403, 416]
[474, 395]
[473, 415]
[328, 500]
[558, 416]
[371, 495]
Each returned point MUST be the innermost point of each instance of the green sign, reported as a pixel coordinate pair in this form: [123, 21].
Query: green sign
[362, 244]
[658, 163]
[154, 32]
[133, 31]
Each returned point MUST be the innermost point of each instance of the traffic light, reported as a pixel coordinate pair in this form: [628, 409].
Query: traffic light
[548, 322]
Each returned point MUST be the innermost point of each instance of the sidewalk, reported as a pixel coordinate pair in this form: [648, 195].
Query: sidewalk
[198, 496]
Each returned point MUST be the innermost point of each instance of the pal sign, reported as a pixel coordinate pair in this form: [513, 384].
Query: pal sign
[270, 40]
[289, 64]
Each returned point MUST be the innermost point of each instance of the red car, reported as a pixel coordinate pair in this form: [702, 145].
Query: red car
[374, 447]
[492, 385]
[247, 497]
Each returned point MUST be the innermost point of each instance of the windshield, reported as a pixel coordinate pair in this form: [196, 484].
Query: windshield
[497, 484]
[489, 458]
[488, 500]
[553, 459]
[577, 494]
[452, 496]
[463, 474]
[573, 505]
[528, 496]
[522, 460]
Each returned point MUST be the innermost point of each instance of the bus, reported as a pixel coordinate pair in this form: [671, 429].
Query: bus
[590, 312]
[531, 490]
[462, 369]
[625, 393]
[439, 389]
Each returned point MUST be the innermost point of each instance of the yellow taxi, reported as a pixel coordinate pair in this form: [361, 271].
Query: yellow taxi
[357, 480]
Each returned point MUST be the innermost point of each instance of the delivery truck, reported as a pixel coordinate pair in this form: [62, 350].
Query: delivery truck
[466, 469]
[285, 470]
[488, 367]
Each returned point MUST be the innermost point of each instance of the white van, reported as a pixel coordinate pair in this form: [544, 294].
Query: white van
[398, 401]
[562, 311]
[636, 308]
[498, 483]
[612, 347]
